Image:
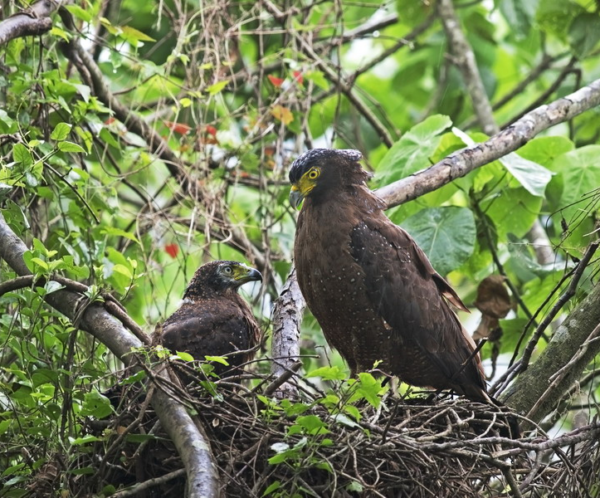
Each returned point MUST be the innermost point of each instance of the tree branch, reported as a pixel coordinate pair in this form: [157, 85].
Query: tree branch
[35, 20]
[464, 161]
[287, 317]
[464, 58]
[571, 349]
[188, 437]
[332, 76]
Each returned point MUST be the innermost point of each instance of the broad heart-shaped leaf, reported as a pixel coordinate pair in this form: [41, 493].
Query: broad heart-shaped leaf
[543, 150]
[513, 210]
[519, 14]
[446, 234]
[584, 33]
[580, 172]
[411, 153]
[532, 176]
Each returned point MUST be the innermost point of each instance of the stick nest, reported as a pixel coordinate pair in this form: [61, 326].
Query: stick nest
[413, 447]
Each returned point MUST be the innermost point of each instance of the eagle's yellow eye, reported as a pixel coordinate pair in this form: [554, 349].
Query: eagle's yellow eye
[314, 174]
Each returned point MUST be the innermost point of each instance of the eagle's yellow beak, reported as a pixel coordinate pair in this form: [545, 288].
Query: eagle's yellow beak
[296, 197]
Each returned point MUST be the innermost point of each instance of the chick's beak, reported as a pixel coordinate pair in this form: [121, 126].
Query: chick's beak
[248, 274]
[254, 274]
[296, 197]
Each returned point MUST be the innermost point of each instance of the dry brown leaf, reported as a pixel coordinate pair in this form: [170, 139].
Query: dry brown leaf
[494, 303]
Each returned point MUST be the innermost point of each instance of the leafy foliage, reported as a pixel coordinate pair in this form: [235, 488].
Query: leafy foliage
[217, 103]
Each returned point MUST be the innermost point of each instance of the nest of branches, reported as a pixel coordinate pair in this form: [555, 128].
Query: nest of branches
[340, 443]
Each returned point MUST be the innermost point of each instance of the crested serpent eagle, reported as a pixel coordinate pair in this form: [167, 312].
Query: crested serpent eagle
[370, 286]
[213, 319]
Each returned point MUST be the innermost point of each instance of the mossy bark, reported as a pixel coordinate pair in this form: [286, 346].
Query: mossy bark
[571, 348]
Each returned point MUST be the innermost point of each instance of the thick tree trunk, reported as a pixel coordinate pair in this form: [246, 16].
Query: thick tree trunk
[575, 343]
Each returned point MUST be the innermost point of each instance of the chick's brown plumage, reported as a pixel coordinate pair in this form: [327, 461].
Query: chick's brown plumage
[213, 319]
[370, 286]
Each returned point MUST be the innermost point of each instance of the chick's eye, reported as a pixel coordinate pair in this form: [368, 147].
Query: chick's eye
[228, 270]
[312, 174]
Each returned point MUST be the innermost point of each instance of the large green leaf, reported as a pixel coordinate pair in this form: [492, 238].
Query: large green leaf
[513, 210]
[446, 234]
[518, 13]
[584, 34]
[580, 173]
[555, 16]
[543, 150]
[530, 175]
[411, 153]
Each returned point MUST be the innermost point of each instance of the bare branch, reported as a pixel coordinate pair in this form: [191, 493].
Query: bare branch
[35, 20]
[464, 58]
[287, 317]
[508, 140]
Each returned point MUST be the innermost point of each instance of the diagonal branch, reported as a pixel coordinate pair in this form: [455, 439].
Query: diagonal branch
[464, 161]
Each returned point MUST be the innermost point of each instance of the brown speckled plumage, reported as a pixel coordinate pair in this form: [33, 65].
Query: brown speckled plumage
[371, 288]
[213, 319]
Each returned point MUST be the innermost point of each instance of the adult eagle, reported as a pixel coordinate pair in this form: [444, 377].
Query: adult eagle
[370, 286]
[213, 319]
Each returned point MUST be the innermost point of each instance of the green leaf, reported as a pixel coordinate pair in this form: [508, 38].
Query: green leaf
[132, 34]
[355, 486]
[312, 424]
[61, 132]
[7, 124]
[123, 270]
[78, 12]
[342, 419]
[513, 210]
[136, 377]
[555, 16]
[412, 152]
[119, 233]
[584, 34]
[532, 176]
[83, 440]
[446, 234]
[217, 87]
[318, 78]
[580, 172]
[70, 147]
[543, 150]
[328, 373]
[368, 388]
[413, 12]
[217, 359]
[96, 405]
[184, 356]
[21, 154]
[272, 487]
[520, 14]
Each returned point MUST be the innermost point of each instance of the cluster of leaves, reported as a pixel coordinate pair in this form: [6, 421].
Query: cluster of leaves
[310, 428]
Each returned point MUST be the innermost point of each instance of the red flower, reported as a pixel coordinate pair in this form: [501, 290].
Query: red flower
[180, 128]
[276, 81]
[172, 250]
